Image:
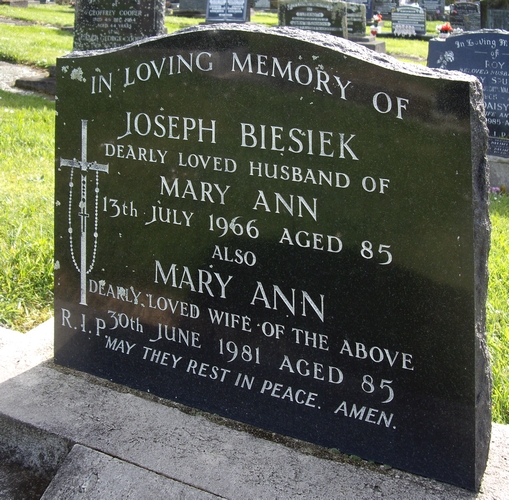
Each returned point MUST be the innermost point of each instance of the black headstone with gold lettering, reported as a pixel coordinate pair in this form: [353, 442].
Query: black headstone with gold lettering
[277, 227]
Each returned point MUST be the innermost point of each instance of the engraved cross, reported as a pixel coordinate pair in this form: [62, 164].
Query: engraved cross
[84, 166]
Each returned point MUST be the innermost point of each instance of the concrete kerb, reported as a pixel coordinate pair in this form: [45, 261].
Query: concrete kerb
[103, 440]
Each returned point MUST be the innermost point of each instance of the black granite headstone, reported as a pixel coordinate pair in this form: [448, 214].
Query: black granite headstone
[228, 11]
[483, 54]
[103, 24]
[465, 16]
[409, 20]
[316, 15]
[283, 228]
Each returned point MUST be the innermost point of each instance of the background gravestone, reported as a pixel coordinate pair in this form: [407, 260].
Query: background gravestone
[409, 20]
[484, 55]
[356, 20]
[369, 8]
[316, 15]
[229, 235]
[385, 8]
[103, 24]
[231, 11]
[495, 14]
[192, 7]
[465, 16]
[435, 9]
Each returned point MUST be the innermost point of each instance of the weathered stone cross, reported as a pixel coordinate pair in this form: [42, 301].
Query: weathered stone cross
[84, 165]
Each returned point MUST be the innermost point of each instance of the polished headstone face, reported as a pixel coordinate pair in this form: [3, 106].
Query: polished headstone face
[484, 55]
[103, 24]
[282, 228]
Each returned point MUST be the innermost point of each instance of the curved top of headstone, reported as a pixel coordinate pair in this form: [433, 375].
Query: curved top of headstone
[342, 45]
[480, 32]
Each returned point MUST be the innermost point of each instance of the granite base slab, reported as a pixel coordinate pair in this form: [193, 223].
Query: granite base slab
[91, 436]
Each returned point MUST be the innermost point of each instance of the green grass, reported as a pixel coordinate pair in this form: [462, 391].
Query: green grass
[49, 14]
[26, 210]
[497, 309]
[175, 23]
[26, 192]
[407, 50]
[267, 18]
[34, 45]
[40, 45]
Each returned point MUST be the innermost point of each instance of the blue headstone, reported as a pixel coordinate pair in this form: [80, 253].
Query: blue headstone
[483, 54]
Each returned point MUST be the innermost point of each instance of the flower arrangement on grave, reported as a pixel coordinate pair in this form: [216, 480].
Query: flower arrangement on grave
[445, 29]
[377, 18]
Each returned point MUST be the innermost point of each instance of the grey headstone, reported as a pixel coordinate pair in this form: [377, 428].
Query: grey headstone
[103, 24]
[356, 20]
[409, 20]
[316, 15]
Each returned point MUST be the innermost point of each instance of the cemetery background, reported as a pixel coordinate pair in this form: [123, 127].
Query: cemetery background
[16, 111]
[26, 139]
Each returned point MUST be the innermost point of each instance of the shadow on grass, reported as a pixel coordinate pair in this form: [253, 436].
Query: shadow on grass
[11, 100]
